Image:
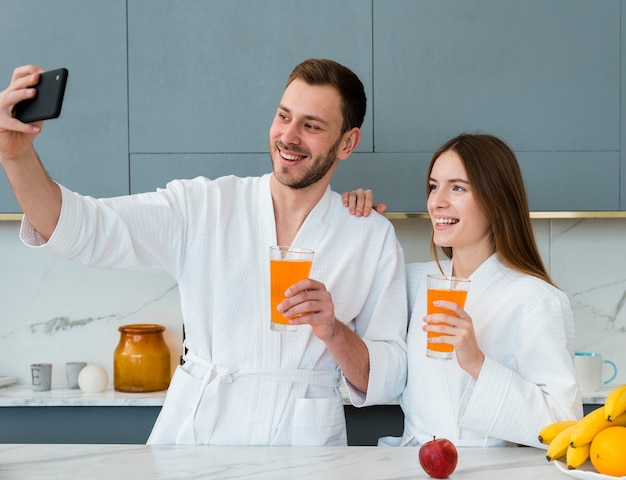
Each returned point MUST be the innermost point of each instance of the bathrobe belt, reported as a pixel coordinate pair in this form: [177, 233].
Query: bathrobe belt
[215, 376]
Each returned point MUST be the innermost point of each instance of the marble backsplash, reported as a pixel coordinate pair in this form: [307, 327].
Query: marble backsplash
[55, 311]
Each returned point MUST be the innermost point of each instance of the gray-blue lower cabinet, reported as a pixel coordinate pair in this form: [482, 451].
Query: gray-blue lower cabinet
[76, 424]
[132, 425]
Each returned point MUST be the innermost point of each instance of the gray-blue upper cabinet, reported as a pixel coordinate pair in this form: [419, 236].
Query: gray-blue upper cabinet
[161, 90]
[86, 148]
[205, 78]
[543, 76]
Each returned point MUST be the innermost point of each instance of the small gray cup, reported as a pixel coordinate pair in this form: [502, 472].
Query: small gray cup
[72, 369]
[41, 375]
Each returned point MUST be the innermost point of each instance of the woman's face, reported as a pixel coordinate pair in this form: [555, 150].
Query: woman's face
[457, 220]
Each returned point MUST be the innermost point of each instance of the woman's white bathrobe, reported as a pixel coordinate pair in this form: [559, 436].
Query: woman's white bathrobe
[243, 383]
[525, 328]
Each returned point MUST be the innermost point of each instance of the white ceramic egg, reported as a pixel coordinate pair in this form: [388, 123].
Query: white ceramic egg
[93, 379]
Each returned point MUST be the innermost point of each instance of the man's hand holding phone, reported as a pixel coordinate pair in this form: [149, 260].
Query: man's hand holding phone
[47, 102]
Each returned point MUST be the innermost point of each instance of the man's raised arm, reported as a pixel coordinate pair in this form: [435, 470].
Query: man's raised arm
[37, 194]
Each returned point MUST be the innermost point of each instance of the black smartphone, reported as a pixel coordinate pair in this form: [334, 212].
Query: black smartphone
[46, 104]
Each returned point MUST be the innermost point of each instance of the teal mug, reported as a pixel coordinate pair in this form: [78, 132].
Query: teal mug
[589, 371]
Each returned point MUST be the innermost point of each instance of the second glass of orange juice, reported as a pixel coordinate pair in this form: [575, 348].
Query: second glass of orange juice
[452, 289]
[288, 265]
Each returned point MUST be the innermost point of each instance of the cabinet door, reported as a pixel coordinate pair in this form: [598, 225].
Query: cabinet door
[206, 77]
[86, 148]
[543, 76]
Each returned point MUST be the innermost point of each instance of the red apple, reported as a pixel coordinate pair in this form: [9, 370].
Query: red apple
[438, 457]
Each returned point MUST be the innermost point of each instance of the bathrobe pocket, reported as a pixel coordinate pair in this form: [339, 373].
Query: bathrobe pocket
[319, 421]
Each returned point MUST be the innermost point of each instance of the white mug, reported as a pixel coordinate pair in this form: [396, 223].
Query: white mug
[589, 371]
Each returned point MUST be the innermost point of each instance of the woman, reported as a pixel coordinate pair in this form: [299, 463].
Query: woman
[512, 371]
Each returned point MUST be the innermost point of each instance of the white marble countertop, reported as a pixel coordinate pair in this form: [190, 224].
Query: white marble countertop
[139, 462]
[22, 395]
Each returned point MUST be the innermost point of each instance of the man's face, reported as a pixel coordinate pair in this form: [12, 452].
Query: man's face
[305, 134]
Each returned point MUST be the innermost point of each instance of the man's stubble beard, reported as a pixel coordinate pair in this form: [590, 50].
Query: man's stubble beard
[319, 168]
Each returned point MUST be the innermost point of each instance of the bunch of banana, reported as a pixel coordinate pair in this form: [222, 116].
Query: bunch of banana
[572, 439]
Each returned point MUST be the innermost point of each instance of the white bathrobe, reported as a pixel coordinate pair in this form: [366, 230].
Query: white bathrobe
[525, 328]
[243, 383]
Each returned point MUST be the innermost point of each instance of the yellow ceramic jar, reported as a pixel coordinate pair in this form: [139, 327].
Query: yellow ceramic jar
[141, 362]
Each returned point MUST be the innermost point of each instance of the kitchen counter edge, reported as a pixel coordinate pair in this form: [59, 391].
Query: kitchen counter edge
[22, 395]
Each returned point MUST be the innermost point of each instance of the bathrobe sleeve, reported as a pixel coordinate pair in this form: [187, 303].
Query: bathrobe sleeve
[513, 402]
[147, 237]
[385, 337]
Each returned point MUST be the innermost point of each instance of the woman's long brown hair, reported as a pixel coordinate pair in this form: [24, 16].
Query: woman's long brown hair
[497, 186]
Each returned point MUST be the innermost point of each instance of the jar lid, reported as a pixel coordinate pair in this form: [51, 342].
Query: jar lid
[142, 328]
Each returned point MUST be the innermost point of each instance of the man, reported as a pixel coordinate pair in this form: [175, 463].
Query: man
[241, 382]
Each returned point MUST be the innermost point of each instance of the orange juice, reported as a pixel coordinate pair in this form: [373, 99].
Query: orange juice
[283, 274]
[456, 296]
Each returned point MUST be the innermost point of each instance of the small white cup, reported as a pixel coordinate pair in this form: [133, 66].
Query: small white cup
[589, 371]
[41, 376]
[72, 369]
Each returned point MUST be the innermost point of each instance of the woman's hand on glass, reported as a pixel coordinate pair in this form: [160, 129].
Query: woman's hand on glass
[459, 331]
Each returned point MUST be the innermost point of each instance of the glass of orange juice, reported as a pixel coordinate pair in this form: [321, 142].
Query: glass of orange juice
[452, 289]
[288, 265]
